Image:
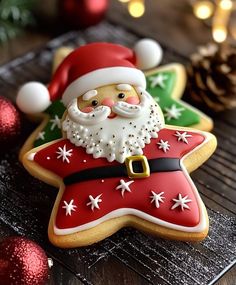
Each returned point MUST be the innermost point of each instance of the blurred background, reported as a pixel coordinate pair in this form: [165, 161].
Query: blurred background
[188, 23]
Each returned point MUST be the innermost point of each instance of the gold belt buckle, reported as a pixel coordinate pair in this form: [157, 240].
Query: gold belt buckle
[129, 166]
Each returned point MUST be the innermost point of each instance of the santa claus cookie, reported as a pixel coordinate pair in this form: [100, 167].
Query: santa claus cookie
[117, 164]
[165, 83]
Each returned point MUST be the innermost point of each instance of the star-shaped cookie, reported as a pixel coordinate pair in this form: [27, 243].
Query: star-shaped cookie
[91, 207]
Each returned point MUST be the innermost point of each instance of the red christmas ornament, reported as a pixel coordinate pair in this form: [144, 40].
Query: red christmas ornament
[22, 262]
[83, 13]
[9, 122]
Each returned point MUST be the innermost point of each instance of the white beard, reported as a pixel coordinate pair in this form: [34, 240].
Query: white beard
[117, 138]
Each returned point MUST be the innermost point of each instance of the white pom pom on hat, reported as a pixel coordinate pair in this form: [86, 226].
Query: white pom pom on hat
[89, 67]
[33, 97]
[148, 53]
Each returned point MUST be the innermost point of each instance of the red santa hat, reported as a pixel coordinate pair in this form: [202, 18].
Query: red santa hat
[89, 67]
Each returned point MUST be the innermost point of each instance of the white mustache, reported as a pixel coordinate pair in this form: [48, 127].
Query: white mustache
[101, 113]
[127, 110]
[98, 115]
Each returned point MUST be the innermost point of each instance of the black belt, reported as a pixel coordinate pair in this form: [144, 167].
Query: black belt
[155, 165]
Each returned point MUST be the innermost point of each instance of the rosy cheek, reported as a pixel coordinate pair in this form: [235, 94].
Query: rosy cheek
[134, 100]
[87, 109]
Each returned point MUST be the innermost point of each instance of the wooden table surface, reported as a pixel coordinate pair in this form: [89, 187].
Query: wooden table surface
[163, 21]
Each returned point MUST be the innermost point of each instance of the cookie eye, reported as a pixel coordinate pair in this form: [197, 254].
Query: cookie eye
[94, 103]
[121, 95]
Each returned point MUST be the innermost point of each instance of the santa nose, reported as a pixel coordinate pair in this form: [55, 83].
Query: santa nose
[108, 102]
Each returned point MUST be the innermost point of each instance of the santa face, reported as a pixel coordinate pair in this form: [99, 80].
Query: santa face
[114, 121]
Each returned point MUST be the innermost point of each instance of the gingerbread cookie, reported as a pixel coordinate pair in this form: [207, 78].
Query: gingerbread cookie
[117, 164]
[165, 83]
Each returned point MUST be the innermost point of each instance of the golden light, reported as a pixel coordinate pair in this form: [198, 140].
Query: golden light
[203, 9]
[219, 34]
[124, 1]
[136, 8]
[226, 4]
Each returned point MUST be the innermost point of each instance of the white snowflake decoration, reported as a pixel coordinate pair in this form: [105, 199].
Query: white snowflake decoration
[64, 154]
[124, 186]
[164, 145]
[173, 112]
[181, 202]
[157, 198]
[182, 136]
[69, 207]
[41, 136]
[56, 122]
[94, 202]
[158, 80]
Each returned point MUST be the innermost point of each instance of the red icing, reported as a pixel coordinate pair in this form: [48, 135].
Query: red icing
[87, 59]
[171, 183]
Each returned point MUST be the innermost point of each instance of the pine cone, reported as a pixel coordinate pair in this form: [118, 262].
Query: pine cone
[212, 77]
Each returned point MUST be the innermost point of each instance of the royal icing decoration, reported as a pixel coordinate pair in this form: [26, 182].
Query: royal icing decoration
[161, 95]
[69, 207]
[41, 136]
[142, 200]
[164, 145]
[51, 132]
[125, 146]
[56, 122]
[157, 198]
[64, 154]
[123, 87]
[173, 112]
[181, 202]
[158, 80]
[94, 202]
[90, 94]
[164, 96]
[182, 136]
[124, 186]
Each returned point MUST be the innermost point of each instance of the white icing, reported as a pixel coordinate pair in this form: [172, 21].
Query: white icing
[181, 202]
[148, 53]
[94, 202]
[116, 138]
[56, 122]
[102, 77]
[69, 207]
[158, 80]
[64, 154]
[157, 198]
[164, 145]
[123, 87]
[33, 97]
[31, 156]
[96, 116]
[90, 94]
[126, 110]
[173, 112]
[182, 136]
[128, 211]
[124, 186]
[41, 136]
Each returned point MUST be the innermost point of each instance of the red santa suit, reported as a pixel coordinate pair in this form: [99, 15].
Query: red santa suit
[96, 190]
